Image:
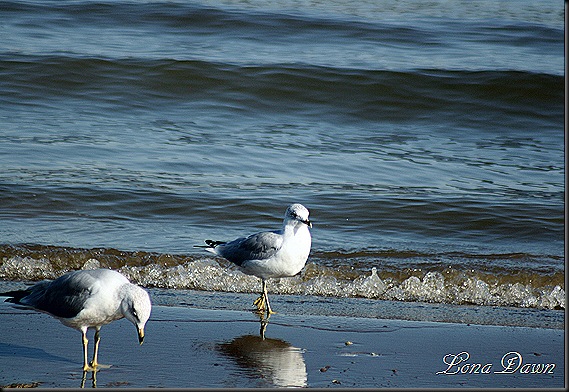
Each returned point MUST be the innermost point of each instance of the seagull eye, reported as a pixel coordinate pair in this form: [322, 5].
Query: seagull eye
[133, 312]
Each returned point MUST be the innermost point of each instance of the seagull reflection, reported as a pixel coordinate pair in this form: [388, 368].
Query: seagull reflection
[93, 378]
[273, 360]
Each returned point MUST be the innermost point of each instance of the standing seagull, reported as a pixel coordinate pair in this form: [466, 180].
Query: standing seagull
[88, 299]
[270, 254]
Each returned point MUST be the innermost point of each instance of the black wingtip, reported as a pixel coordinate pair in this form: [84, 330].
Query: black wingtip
[14, 296]
[213, 244]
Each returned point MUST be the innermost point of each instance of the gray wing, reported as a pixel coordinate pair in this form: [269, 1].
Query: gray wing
[63, 297]
[258, 246]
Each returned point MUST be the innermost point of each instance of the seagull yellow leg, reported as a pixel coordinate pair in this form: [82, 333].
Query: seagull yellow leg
[95, 365]
[266, 299]
[86, 366]
[269, 310]
[94, 362]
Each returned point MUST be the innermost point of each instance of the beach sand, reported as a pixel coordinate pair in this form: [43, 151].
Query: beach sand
[197, 348]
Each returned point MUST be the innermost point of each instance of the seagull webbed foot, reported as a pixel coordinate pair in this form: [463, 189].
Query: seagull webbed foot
[260, 303]
[94, 366]
[88, 368]
[263, 306]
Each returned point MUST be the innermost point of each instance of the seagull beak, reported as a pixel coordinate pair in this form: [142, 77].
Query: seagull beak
[308, 223]
[141, 335]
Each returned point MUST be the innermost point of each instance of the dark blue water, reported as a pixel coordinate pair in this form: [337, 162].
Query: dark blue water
[427, 140]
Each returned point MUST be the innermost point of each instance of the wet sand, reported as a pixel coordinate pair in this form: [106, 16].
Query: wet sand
[197, 348]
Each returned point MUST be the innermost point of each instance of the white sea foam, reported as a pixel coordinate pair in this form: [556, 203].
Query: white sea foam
[433, 287]
[207, 274]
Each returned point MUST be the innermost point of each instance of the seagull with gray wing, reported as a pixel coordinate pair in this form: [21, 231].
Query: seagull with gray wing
[88, 299]
[270, 254]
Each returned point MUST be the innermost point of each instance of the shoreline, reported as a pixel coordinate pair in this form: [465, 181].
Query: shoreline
[310, 305]
[189, 347]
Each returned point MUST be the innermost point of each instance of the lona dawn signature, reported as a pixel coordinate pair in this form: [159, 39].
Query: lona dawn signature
[510, 363]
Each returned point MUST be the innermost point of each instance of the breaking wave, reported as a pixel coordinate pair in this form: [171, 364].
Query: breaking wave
[320, 277]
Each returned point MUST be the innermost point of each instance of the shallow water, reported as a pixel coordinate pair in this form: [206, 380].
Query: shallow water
[426, 140]
[198, 348]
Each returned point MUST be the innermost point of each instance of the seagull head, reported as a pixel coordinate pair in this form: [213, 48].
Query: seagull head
[136, 307]
[297, 212]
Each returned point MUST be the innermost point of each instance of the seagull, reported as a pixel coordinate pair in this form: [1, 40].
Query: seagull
[88, 299]
[270, 254]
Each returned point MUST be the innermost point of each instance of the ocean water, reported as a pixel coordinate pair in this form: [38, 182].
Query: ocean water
[425, 138]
